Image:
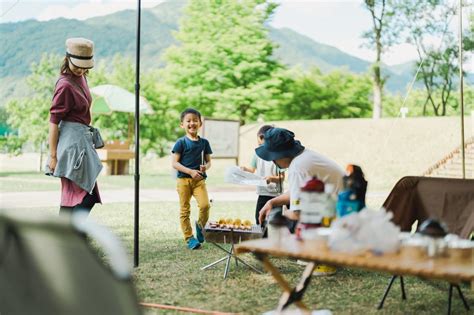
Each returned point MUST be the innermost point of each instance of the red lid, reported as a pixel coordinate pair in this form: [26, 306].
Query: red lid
[314, 185]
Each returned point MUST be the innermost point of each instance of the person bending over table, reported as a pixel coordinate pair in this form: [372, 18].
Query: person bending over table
[281, 147]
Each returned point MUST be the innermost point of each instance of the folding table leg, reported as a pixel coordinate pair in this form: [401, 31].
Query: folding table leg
[450, 296]
[386, 291]
[402, 286]
[462, 297]
[288, 293]
[298, 292]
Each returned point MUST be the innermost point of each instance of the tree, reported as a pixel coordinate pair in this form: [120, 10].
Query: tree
[468, 40]
[157, 129]
[380, 37]
[314, 95]
[420, 21]
[223, 64]
[30, 115]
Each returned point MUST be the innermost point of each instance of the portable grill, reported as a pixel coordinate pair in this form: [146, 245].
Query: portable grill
[230, 236]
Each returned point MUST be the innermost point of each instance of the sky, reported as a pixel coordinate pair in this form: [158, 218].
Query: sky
[338, 23]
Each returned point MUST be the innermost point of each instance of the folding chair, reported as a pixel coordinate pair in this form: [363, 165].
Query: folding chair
[449, 200]
[47, 266]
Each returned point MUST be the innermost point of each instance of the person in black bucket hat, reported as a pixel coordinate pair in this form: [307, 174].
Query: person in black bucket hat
[281, 147]
[279, 143]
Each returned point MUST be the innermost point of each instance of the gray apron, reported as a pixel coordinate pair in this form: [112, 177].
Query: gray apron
[77, 159]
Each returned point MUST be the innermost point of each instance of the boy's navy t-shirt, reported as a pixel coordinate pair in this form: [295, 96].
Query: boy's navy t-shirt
[191, 153]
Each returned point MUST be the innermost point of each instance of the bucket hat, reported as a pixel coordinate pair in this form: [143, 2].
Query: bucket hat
[80, 52]
[279, 143]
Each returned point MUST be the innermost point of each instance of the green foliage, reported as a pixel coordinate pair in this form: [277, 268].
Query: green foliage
[30, 115]
[417, 100]
[314, 95]
[468, 40]
[23, 43]
[157, 129]
[380, 37]
[223, 65]
[439, 70]
[420, 21]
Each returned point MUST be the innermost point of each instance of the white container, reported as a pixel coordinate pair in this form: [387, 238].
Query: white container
[315, 206]
[320, 234]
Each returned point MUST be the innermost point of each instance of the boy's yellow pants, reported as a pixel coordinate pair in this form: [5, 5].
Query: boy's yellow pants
[186, 188]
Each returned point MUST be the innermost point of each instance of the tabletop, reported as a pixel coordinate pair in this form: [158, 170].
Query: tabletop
[442, 268]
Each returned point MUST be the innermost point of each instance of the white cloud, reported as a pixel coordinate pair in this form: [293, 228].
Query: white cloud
[92, 8]
[43, 10]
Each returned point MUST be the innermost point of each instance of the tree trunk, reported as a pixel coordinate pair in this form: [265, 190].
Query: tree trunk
[40, 168]
[378, 84]
[243, 114]
[377, 90]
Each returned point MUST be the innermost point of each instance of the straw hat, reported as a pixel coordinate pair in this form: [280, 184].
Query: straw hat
[80, 52]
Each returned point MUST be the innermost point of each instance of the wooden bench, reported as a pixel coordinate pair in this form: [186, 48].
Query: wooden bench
[115, 157]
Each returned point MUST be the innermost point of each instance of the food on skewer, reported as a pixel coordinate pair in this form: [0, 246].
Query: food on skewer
[236, 224]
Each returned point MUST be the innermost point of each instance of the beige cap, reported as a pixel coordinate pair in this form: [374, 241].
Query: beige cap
[80, 52]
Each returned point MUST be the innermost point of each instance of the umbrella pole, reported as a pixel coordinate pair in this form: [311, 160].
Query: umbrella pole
[130, 128]
[137, 142]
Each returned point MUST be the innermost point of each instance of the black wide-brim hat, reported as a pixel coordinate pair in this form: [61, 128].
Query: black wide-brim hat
[279, 143]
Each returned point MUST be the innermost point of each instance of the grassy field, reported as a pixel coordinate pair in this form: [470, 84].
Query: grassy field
[170, 274]
[21, 174]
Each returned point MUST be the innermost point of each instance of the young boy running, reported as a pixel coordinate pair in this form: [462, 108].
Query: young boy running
[192, 158]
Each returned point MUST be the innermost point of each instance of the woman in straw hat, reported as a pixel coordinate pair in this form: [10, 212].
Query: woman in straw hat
[71, 140]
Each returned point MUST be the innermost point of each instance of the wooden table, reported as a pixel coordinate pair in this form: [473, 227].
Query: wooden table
[317, 252]
[115, 157]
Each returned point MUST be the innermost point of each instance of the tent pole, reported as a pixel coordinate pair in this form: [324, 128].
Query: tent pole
[137, 142]
[461, 92]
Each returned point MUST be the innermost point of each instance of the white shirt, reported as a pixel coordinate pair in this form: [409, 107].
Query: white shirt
[306, 165]
[263, 169]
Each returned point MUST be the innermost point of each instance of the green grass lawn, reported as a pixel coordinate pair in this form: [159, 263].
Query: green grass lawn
[170, 274]
[34, 181]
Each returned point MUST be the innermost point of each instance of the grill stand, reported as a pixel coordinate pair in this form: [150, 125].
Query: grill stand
[229, 254]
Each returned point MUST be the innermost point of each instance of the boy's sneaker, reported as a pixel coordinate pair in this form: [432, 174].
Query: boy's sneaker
[199, 235]
[193, 243]
[324, 270]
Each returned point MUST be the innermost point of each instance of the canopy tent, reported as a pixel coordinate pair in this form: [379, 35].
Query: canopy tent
[137, 119]
[49, 267]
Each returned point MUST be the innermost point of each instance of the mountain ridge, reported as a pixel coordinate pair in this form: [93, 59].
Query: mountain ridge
[115, 33]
